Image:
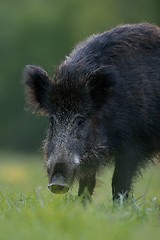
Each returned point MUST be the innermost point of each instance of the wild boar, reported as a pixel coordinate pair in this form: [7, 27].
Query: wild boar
[103, 103]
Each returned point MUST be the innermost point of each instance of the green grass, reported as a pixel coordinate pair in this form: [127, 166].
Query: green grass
[29, 211]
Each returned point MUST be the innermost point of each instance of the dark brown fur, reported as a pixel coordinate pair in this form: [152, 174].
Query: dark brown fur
[103, 102]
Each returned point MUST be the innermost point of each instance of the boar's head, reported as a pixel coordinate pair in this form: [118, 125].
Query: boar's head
[73, 102]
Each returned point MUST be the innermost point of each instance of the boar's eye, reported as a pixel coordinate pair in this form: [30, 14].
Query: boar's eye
[79, 121]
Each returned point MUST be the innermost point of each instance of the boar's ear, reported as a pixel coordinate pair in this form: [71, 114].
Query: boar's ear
[38, 86]
[100, 85]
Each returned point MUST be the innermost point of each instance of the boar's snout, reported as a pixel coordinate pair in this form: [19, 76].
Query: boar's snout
[58, 185]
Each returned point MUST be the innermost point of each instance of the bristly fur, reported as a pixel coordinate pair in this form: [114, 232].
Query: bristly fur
[38, 87]
[103, 103]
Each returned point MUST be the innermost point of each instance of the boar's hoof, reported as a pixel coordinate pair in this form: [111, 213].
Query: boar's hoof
[58, 185]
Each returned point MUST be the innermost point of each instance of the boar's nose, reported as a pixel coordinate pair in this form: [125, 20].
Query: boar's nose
[58, 185]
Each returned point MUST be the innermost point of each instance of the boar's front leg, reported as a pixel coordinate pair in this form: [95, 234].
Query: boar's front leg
[126, 168]
[121, 185]
[86, 186]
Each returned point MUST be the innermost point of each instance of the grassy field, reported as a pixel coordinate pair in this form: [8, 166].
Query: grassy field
[29, 211]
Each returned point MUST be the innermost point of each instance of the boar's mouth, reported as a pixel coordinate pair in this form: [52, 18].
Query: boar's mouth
[58, 185]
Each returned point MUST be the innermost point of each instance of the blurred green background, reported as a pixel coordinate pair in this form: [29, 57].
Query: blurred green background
[42, 32]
